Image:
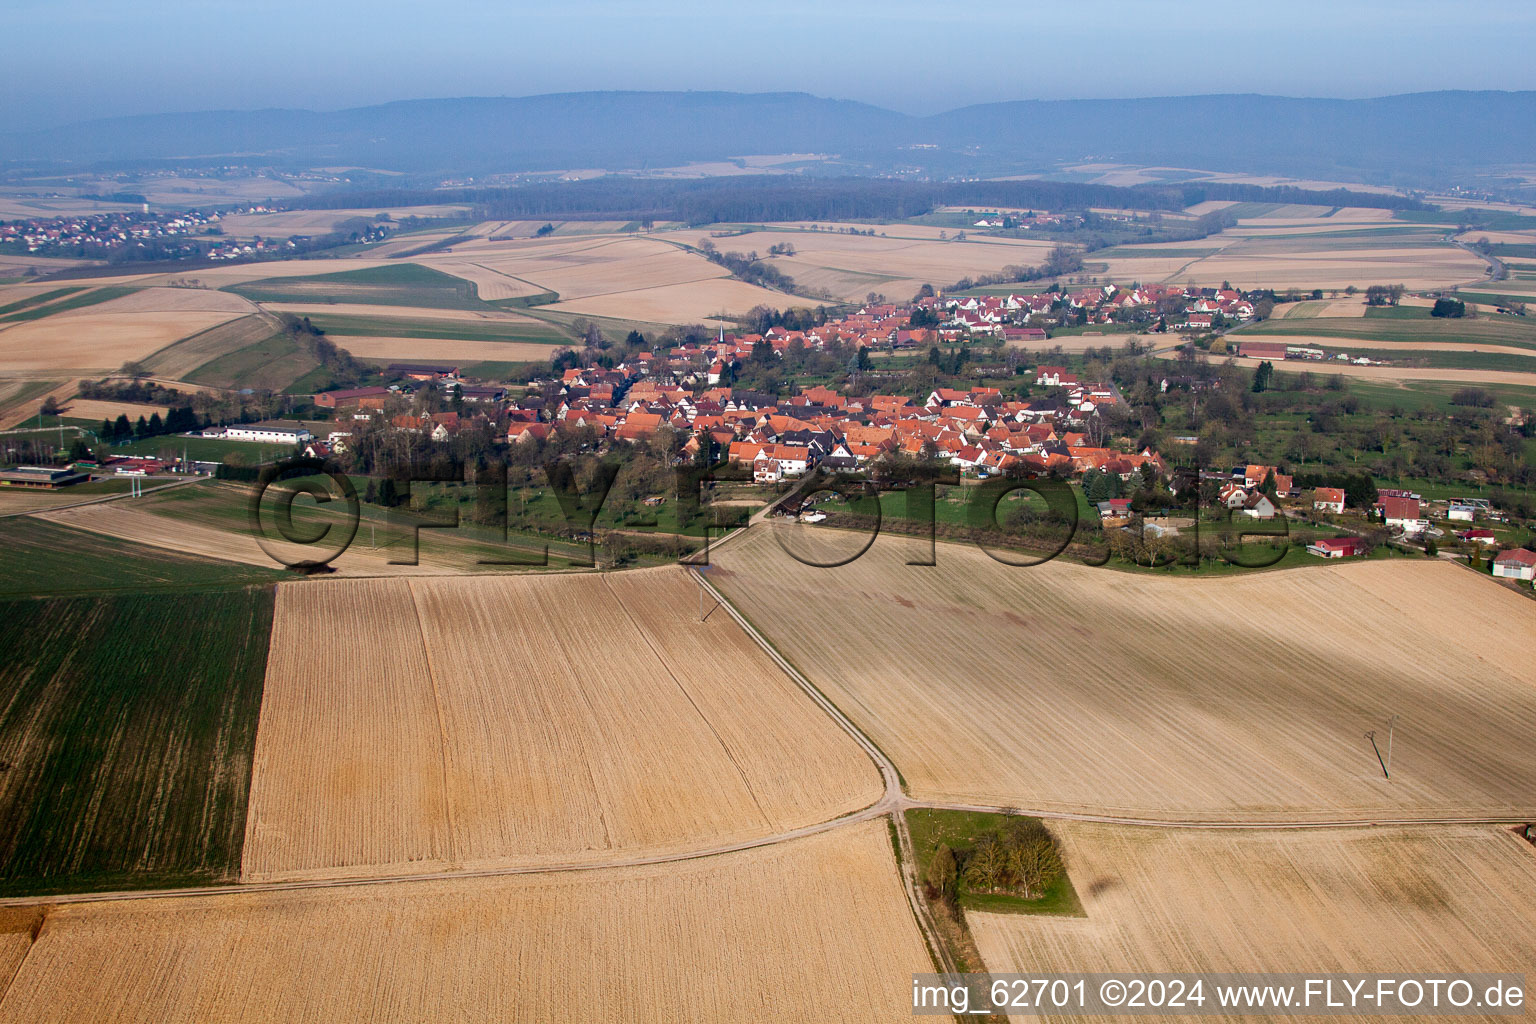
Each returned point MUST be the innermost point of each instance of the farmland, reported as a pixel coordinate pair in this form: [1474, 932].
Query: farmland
[1067, 688]
[96, 342]
[895, 262]
[1379, 901]
[814, 930]
[1302, 247]
[49, 558]
[1519, 332]
[430, 718]
[180, 360]
[401, 284]
[212, 520]
[126, 728]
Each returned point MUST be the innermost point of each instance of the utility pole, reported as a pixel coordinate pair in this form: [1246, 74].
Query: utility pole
[1391, 728]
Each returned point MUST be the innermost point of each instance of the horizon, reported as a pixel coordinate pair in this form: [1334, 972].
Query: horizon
[281, 55]
[753, 93]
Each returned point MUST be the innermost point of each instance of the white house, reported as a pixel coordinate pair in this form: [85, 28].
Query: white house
[1258, 506]
[1403, 514]
[1518, 564]
[1329, 499]
[1458, 513]
[270, 432]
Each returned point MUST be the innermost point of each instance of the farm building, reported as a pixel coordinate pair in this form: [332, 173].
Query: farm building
[1338, 547]
[1518, 564]
[349, 397]
[1329, 499]
[1261, 350]
[42, 477]
[1479, 536]
[270, 432]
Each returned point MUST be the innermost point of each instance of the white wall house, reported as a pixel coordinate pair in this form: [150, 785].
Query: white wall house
[273, 432]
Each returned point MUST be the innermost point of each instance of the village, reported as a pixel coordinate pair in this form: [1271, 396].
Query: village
[686, 398]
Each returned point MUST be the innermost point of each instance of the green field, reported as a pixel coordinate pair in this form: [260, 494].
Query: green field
[127, 725]
[90, 298]
[204, 449]
[44, 558]
[200, 349]
[1490, 329]
[959, 830]
[272, 364]
[37, 300]
[404, 284]
[1449, 360]
[525, 330]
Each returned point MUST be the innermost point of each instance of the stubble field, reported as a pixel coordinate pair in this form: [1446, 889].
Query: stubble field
[436, 723]
[1384, 901]
[814, 930]
[96, 342]
[1073, 689]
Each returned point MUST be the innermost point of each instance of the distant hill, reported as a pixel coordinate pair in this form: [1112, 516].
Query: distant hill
[1421, 138]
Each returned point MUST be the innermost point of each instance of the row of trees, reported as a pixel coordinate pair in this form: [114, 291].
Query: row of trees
[178, 420]
[1062, 260]
[748, 267]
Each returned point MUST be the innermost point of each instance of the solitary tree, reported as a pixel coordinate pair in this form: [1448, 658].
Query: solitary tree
[942, 870]
[1262, 376]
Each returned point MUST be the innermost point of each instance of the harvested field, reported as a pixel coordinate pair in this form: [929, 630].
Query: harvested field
[815, 930]
[185, 356]
[431, 349]
[174, 300]
[21, 399]
[1388, 900]
[432, 717]
[19, 499]
[853, 265]
[491, 284]
[1067, 688]
[96, 409]
[228, 537]
[598, 266]
[681, 303]
[96, 342]
[126, 727]
[1415, 266]
[1403, 373]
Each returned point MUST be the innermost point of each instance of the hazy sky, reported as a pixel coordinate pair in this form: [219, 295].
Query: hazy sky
[69, 60]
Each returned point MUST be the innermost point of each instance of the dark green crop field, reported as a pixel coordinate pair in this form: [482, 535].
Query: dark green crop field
[47, 559]
[404, 284]
[127, 724]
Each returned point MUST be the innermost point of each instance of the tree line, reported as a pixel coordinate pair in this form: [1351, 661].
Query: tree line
[755, 198]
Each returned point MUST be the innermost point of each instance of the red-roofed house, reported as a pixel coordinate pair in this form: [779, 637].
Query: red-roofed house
[1402, 514]
[1329, 499]
[1518, 564]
